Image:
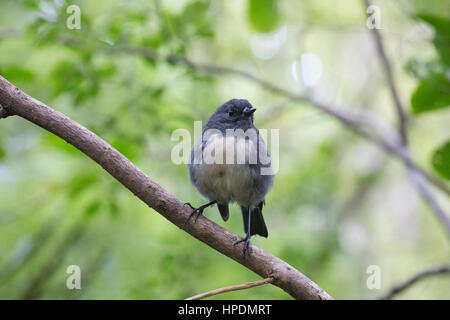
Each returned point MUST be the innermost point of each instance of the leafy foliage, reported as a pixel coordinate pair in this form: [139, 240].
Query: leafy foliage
[263, 14]
[433, 91]
[441, 160]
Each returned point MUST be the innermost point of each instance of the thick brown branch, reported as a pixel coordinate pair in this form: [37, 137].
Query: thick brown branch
[434, 271]
[231, 288]
[3, 112]
[222, 240]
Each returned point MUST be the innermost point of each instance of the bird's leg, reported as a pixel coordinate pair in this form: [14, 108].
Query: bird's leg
[247, 236]
[199, 211]
[246, 244]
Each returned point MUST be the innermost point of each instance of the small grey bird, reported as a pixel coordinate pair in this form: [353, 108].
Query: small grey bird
[230, 163]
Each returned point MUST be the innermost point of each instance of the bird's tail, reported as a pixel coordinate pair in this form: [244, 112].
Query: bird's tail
[257, 224]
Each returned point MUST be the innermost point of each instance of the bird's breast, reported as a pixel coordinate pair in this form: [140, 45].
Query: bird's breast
[224, 174]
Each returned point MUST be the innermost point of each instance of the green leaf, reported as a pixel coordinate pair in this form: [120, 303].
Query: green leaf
[93, 208]
[2, 152]
[432, 93]
[154, 41]
[263, 14]
[441, 41]
[17, 74]
[441, 160]
[195, 11]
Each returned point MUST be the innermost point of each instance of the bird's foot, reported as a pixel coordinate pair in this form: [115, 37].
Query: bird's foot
[246, 248]
[198, 211]
[190, 205]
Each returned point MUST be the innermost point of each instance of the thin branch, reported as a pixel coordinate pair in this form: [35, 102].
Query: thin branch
[419, 180]
[231, 288]
[201, 67]
[434, 271]
[390, 78]
[418, 177]
[435, 181]
[261, 262]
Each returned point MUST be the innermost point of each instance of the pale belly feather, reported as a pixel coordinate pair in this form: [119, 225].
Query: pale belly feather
[226, 182]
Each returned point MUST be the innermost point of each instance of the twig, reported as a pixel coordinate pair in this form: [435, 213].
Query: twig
[434, 271]
[231, 288]
[261, 262]
[418, 177]
[390, 78]
[419, 180]
[201, 67]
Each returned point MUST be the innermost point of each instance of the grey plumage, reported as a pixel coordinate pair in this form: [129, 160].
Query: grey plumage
[239, 182]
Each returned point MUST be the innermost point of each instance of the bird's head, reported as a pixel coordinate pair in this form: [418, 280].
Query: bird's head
[233, 114]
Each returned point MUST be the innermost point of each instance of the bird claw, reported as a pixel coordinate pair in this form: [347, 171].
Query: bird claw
[190, 205]
[199, 212]
[246, 248]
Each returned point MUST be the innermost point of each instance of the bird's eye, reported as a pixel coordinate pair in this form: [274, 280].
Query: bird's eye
[231, 113]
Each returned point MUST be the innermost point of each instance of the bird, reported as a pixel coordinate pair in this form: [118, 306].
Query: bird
[230, 163]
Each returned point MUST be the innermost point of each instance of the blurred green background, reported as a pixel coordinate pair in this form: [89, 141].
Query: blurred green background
[339, 204]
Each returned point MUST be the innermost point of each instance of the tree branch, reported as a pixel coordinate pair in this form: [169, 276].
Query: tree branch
[231, 288]
[3, 112]
[390, 78]
[434, 271]
[418, 177]
[16, 102]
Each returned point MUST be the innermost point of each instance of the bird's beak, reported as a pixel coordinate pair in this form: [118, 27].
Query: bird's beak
[249, 111]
